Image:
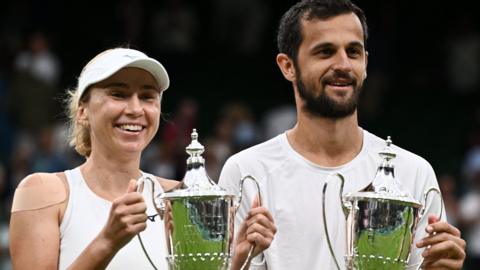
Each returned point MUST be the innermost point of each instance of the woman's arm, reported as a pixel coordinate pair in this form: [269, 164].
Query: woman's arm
[35, 233]
[35, 221]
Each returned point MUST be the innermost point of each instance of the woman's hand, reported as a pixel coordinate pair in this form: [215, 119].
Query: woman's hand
[126, 219]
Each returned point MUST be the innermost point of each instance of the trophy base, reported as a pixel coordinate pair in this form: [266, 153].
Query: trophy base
[369, 262]
[199, 261]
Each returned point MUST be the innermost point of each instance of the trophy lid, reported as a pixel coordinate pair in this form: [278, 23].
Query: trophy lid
[196, 182]
[384, 186]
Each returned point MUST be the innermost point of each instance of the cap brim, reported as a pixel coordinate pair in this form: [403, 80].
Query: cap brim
[155, 68]
[115, 62]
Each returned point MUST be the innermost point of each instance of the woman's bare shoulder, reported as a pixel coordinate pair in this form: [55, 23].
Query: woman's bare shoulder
[40, 190]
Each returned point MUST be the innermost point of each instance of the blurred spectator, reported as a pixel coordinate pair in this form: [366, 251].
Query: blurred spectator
[3, 189]
[470, 207]
[278, 120]
[173, 28]
[38, 60]
[159, 159]
[5, 125]
[463, 55]
[45, 158]
[34, 82]
[448, 186]
[219, 147]
[176, 135]
[239, 25]
[22, 158]
[4, 210]
[131, 14]
[244, 130]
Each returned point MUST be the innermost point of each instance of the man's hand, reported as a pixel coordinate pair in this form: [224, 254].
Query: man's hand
[444, 249]
[257, 229]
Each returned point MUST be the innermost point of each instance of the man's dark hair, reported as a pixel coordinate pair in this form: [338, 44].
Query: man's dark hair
[290, 35]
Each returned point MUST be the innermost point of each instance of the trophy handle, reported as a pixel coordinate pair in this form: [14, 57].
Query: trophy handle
[344, 209]
[422, 213]
[160, 210]
[141, 185]
[240, 196]
[425, 197]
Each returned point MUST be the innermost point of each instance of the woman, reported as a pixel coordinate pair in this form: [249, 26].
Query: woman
[86, 218]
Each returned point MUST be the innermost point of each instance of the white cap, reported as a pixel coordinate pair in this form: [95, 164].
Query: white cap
[107, 63]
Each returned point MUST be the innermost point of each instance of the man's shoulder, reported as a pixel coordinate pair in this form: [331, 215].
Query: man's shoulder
[270, 150]
[259, 160]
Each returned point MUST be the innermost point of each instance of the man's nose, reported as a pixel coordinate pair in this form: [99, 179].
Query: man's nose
[342, 62]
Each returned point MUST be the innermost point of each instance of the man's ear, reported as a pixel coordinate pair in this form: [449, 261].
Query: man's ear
[366, 65]
[287, 67]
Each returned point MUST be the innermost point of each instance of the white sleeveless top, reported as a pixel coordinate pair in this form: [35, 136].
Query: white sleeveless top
[87, 214]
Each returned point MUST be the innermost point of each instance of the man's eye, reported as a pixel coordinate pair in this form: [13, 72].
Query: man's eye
[325, 52]
[354, 52]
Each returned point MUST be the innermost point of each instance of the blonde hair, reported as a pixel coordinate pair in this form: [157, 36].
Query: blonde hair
[79, 133]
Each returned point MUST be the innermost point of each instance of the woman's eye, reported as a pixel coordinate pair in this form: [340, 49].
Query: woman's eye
[117, 94]
[149, 95]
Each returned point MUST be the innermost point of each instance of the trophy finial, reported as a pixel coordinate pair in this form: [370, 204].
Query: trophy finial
[387, 153]
[195, 149]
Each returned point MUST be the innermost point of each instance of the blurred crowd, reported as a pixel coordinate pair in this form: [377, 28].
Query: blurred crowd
[220, 55]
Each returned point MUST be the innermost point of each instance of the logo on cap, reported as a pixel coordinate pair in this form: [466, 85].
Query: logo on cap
[130, 56]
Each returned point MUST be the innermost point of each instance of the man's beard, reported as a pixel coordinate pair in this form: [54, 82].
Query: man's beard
[325, 106]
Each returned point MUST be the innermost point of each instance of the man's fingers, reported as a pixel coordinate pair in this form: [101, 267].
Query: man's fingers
[256, 202]
[442, 226]
[442, 264]
[260, 210]
[263, 231]
[446, 249]
[261, 241]
[261, 220]
[440, 237]
[433, 218]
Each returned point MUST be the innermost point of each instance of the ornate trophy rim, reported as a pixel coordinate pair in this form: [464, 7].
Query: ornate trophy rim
[196, 193]
[368, 196]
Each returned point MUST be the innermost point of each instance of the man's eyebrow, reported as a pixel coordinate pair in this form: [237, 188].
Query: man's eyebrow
[356, 44]
[324, 45]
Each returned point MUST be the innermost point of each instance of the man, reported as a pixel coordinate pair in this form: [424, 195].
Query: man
[322, 52]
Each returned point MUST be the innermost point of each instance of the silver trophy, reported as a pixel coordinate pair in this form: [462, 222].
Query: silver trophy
[381, 220]
[198, 217]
